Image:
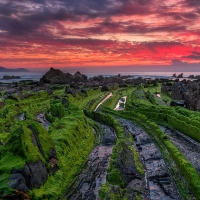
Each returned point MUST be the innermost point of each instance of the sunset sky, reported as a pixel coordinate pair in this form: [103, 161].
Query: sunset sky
[92, 33]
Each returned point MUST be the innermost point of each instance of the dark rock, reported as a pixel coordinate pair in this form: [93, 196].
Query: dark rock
[56, 76]
[84, 91]
[98, 78]
[13, 97]
[104, 88]
[191, 76]
[6, 77]
[35, 174]
[56, 97]
[78, 77]
[174, 75]
[112, 80]
[49, 91]
[74, 85]
[197, 77]
[73, 92]
[18, 182]
[32, 176]
[180, 75]
[109, 136]
[177, 103]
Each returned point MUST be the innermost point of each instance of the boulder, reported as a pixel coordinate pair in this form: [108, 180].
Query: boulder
[174, 75]
[191, 76]
[197, 77]
[98, 78]
[72, 91]
[56, 76]
[78, 77]
[18, 182]
[32, 176]
[35, 174]
[180, 75]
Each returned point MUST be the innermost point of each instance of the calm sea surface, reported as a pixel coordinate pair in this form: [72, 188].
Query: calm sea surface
[37, 75]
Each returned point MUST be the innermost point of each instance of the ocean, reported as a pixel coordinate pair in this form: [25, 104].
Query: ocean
[35, 76]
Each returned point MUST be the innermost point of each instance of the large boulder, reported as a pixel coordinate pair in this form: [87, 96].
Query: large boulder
[56, 76]
[191, 76]
[32, 176]
[78, 77]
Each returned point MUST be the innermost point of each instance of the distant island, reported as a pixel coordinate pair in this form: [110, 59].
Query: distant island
[3, 69]
[6, 77]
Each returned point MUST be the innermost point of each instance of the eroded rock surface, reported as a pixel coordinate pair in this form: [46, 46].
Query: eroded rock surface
[187, 146]
[32, 176]
[159, 180]
[91, 179]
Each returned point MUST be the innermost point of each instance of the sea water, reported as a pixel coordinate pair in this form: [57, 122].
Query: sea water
[36, 76]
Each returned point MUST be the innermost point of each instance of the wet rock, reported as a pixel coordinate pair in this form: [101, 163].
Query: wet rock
[109, 135]
[127, 169]
[187, 146]
[93, 176]
[159, 180]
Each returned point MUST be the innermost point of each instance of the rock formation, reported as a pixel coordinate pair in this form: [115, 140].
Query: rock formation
[56, 76]
[189, 91]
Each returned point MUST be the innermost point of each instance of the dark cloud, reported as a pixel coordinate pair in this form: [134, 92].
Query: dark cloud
[178, 62]
[76, 25]
[192, 3]
[29, 18]
[194, 55]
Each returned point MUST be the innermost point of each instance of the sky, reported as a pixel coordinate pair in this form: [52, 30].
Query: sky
[136, 34]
